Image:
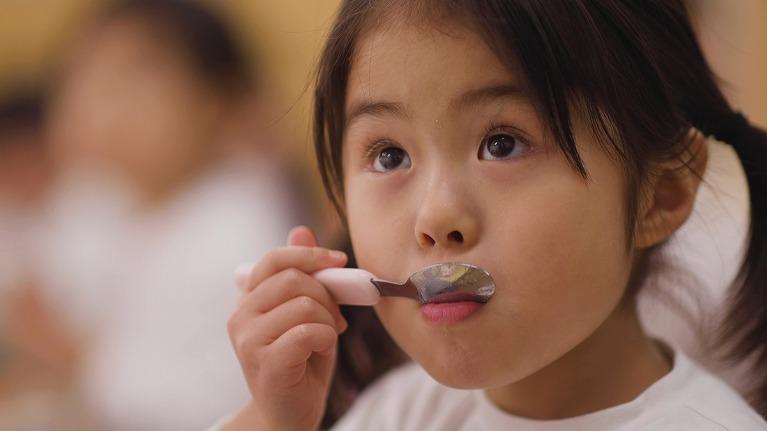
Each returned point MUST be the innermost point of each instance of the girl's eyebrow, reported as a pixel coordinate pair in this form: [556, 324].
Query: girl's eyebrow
[486, 94]
[375, 109]
[466, 100]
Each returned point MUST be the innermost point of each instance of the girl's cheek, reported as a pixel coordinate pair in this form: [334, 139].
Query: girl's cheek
[380, 225]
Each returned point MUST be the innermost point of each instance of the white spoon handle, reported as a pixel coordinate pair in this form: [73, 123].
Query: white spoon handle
[349, 286]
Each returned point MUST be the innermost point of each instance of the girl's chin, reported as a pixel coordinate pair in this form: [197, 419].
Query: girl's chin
[469, 373]
[471, 380]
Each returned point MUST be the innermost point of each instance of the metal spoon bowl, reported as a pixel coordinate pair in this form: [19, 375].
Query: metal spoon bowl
[442, 282]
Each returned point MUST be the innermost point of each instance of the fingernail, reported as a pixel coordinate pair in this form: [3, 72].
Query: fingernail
[242, 275]
[342, 326]
[337, 255]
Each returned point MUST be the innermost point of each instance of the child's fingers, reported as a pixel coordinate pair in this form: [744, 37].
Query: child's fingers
[302, 235]
[296, 345]
[305, 259]
[284, 286]
[268, 327]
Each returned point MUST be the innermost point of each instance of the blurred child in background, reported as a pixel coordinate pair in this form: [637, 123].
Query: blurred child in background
[157, 128]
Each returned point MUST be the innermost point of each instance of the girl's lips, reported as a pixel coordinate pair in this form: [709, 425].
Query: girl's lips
[446, 313]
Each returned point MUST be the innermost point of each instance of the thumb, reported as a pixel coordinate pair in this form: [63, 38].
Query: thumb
[302, 236]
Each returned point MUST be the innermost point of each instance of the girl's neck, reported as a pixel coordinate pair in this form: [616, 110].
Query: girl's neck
[613, 366]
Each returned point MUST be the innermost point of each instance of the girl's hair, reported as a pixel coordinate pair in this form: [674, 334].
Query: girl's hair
[632, 70]
[201, 37]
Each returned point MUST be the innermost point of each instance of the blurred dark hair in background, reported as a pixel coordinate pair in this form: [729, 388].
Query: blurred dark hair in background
[197, 32]
[20, 110]
[23, 169]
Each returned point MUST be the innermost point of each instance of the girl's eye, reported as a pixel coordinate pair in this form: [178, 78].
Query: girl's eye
[391, 158]
[501, 147]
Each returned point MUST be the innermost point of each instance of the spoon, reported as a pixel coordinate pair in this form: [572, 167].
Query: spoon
[443, 282]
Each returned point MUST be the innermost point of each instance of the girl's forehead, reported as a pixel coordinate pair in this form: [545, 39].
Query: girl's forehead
[403, 62]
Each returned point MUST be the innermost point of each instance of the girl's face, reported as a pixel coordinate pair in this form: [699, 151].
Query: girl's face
[446, 159]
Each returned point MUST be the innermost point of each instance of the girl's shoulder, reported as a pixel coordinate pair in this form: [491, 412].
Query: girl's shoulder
[688, 397]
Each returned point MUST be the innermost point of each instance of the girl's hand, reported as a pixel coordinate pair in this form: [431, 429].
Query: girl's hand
[284, 332]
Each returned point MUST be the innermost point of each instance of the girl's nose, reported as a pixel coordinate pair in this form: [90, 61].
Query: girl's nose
[446, 220]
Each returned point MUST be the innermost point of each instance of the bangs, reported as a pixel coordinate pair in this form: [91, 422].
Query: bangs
[562, 50]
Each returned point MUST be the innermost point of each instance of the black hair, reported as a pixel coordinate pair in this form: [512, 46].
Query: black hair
[21, 110]
[636, 72]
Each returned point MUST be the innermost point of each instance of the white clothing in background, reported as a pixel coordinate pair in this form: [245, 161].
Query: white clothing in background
[18, 239]
[152, 291]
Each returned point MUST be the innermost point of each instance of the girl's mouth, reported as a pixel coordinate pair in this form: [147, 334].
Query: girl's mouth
[450, 308]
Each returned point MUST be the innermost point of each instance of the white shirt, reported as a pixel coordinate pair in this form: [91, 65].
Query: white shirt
[687, 398]
[152, 290]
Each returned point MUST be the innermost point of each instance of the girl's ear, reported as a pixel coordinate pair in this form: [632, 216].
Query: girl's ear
[668, 197]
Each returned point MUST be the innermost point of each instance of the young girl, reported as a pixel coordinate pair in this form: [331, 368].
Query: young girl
[555, 144]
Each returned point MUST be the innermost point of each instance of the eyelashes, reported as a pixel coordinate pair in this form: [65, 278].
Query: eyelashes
[502, 143]
[498, 142]
[384, 156]
[375, 147]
